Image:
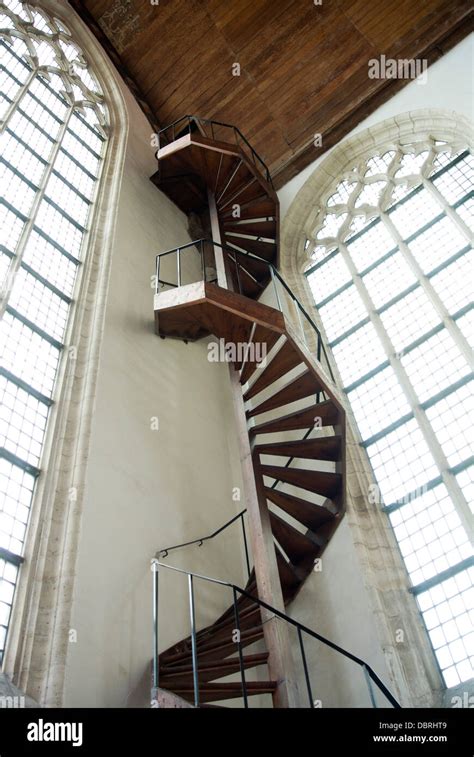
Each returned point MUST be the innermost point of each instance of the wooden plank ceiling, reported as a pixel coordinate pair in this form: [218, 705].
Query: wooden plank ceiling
[303, 67]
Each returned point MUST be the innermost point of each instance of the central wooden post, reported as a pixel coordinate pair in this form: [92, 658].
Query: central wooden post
[276, 635]
[222, 279]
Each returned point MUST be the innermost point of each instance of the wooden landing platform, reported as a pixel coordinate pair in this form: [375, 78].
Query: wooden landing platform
[197, 310]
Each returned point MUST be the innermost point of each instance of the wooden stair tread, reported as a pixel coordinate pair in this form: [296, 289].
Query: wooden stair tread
[303, 419]
[248, 190]
[224, 630]
[284, 361]
[233, 686]
[261, 335]
[210, 671]
[216, 650]
[298, 546]
[237, 174]
[256, 268]
[319, 482]
[223, 173]
[248, 277]
[249, 285]
[302, 386]
[215, 633]
[210, 160]
[260, 207]
[226, 174]
[252, 659]
[265, 250]
[322, 448]
[310, 515]
[266, 229]
[246, 607]
[212, 692]
[250, 610]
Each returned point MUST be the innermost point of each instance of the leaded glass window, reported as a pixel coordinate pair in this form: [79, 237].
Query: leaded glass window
[53, 136]
[391, 272]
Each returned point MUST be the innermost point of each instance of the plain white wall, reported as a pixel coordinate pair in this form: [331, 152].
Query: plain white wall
[148, 489]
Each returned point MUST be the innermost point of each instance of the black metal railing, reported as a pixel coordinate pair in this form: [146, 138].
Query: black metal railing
[371, 678]
[205, 250]
[216, 130]
[240, 516]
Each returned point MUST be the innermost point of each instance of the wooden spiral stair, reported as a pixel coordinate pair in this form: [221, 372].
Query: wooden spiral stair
[199, 159]
[295, 424]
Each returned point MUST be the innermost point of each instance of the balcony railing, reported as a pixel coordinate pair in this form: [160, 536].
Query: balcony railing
[215, 130]
[199, 269]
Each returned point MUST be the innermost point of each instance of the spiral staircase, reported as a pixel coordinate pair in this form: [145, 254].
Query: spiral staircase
[195, 158]
[295, 422]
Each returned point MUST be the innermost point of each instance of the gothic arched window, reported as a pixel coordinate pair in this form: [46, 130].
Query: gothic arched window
[53, 125]
[391, 273]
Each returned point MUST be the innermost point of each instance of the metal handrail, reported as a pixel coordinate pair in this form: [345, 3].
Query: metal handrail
[198, 245]
[274, 271]
[164, 552]
[321, 350]
[368, 671]
[212, 123]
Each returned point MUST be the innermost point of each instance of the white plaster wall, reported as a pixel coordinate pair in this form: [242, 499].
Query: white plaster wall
[334, 603]
[148, 489]
[449, 85]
